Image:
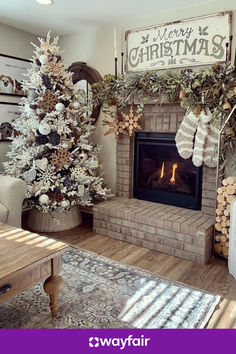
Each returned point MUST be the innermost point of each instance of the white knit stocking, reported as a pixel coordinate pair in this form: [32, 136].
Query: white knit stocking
[185, 135]
[200, 138]
[210, 150]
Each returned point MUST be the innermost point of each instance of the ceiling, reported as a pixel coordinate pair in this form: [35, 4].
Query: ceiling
[71, 16]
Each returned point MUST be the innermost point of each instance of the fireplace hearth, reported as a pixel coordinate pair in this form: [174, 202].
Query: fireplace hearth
[161, 175]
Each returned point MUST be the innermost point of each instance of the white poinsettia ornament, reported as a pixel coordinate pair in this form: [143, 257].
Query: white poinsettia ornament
[53, 140]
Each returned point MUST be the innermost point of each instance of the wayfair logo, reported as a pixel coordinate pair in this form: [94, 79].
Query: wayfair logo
[119, 342]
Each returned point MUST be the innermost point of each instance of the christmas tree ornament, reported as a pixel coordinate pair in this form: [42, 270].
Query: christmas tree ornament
[37, 62]
[216, 92]
[185, 135]
[227, 106]
[58, 57]
[60, 158]
[60, 107]
[234, 90]
[43, 59]
[44, 199]
[67, 143]
[42, 116]
[65, 204]
[54, 138]
[229, 131]
[47, 82]
[47, 176]
[130, 122]
[182, 94]
[68, 182]
[30, 175]
[42, 163]
[76, 105]
[41, 139]
[44, 128]
[81, 189]
[33, 106]
[83, 157]
[48, 101]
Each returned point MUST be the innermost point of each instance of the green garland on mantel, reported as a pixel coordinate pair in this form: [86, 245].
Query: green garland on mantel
[213, 88]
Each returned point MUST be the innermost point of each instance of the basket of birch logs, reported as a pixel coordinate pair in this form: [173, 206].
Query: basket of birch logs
[225, 195]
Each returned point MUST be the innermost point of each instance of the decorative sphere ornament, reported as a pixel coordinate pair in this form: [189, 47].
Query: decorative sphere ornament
[83, 156]
[43, 199]
[216, 92]
[60, 107]
[43, 59]
[65, 203]
[227, 106]
[229, 131]
[44, 129]
[76, 105]
[182, 94]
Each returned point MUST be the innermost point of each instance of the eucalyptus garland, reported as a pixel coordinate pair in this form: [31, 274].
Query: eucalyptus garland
[213, 88]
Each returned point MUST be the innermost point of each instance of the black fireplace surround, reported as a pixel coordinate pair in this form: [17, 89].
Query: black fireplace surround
[162, 176]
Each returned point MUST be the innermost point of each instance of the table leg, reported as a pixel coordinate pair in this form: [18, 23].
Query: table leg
[54, 285]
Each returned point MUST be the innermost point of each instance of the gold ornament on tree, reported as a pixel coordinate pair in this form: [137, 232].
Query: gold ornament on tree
[130, 121]
[49, 101]
[60, 158]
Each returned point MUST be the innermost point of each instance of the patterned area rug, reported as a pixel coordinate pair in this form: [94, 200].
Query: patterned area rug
[101, 293]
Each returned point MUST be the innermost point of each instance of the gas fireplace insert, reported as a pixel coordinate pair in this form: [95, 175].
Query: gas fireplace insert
[162, 176]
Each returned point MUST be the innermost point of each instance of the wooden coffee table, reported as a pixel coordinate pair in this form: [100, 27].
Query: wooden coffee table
[25, 259]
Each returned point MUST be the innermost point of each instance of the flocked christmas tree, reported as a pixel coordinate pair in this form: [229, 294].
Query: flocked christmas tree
[51, 150]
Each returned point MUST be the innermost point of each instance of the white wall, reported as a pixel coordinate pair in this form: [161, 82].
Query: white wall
[16, 43]
[95, 47]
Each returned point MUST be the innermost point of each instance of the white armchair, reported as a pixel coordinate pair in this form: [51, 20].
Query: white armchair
[12, 194]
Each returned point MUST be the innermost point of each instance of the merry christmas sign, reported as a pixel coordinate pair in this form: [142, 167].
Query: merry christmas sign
[197, 41]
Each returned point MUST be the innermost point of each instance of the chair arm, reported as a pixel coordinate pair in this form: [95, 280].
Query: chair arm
[12, 194]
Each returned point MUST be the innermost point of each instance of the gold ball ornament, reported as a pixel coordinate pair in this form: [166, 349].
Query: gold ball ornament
[182, 94]
[229, 131]
[216, 92]
[227, 106]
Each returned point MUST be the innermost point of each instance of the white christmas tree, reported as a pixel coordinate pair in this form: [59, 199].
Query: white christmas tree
[51, 148]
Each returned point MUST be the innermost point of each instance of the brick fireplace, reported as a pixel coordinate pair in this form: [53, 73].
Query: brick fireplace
[174, 230]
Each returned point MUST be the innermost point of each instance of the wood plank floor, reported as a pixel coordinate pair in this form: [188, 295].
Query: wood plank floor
[213, 277]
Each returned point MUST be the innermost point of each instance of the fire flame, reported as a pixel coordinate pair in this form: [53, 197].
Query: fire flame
[172, 180]
[162, 169]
